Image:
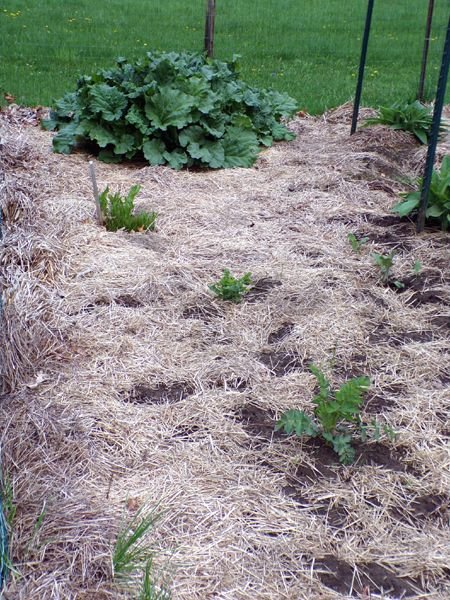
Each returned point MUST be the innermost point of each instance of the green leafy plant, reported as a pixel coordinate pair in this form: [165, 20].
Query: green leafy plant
[408, 116]
[417, 267]
[176, 109]
[334, 410]
[231, 288]
[385, 262]
[133, 557]
[356, 243]
[118, 210]
[438, 200]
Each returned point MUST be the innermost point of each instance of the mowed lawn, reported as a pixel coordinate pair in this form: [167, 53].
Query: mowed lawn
[309, 49]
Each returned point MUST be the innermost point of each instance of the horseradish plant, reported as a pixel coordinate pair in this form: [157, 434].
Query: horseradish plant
[176, 109]
[438, 199]
[334, 415]
[414, 117]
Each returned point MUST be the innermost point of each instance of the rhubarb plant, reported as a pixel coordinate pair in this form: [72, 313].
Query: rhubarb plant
[335, 415]
[176, 109]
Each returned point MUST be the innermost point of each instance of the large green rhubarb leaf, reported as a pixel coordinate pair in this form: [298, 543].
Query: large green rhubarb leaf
[240, 147]
[154, 151]
[176, 159]
[108, 101]
[97, 133]
[169, 107]
[135, 116]
[202, 148]
[67, 105]
[66, 138]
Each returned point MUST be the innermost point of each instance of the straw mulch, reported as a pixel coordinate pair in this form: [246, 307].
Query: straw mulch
[127, 385]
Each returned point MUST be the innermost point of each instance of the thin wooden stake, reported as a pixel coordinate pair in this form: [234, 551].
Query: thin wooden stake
[209, 27]
[98, 209]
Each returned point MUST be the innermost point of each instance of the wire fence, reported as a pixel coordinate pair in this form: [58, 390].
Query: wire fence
[309, 49]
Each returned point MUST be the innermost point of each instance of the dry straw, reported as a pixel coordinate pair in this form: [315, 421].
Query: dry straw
[127, 384]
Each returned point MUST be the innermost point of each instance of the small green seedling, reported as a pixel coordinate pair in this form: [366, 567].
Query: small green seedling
[118, 211]
[231, 288]
[334, 410]
[385, 262]
[417, 267]
[356, 243]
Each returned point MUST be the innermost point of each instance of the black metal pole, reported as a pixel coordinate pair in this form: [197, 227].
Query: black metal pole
[426, 47]
[362, 65]
[434, 135]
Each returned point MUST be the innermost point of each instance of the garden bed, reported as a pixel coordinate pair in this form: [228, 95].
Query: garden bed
[127, 384]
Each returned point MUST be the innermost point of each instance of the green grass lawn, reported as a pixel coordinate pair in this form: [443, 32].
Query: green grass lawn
[309, 49]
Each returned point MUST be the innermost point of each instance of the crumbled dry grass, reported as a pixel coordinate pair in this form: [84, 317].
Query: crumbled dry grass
[90, 316]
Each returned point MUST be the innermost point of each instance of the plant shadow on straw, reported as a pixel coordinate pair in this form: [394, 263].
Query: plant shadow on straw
[133, 558]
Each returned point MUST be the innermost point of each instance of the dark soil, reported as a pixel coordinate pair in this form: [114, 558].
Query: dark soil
[231, 383]
[281, 363]
[128, 301]
[335, 516]
[186, 433]
[381, 335]
[424, 508]
[401, 228]
[377, 403]
[279, 334]
[428, 297]
[89, 308]
[377, 166]
[441, 321]
[389, 239]
[325, 462]
[256, 421]
[379, 455]
[205, 312]
[370, 577]
[160, 394]
[383, 186]
[260, 289]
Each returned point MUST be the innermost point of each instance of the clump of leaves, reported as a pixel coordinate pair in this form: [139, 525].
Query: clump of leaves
[409, 116]
[176, 109]
[385, 262]
[334, 410]
[356, 243]
[118, 210]
[231, 288]
[438, 200]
